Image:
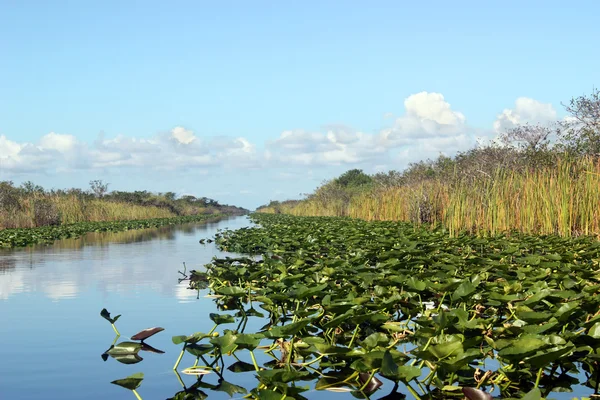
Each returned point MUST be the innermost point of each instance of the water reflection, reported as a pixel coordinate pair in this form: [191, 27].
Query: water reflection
[122, 262]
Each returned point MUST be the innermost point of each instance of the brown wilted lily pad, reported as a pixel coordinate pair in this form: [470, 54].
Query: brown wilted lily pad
[147, 347]
[476, 394]
[373, 384]
[146, 333]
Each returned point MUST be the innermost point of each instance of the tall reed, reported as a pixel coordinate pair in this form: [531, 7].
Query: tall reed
[563, 200]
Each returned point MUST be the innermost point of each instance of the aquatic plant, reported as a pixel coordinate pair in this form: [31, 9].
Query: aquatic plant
[420, 308]
[48, 234]
[106, 315]
[132, 382]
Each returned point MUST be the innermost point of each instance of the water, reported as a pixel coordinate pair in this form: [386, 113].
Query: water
[52, 336]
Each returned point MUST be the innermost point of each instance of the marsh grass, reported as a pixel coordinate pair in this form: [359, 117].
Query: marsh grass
[43, 209]
[563, 200]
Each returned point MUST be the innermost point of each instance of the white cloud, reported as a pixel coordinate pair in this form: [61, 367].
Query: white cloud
[178, 149]
[432, 107]
[182, 135]
[526, 110]
[428, 127]
[58, 142]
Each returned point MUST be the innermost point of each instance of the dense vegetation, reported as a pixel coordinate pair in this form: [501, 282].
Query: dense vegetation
[18, 237]
[349, 301]
[537, 179]
[30, 205]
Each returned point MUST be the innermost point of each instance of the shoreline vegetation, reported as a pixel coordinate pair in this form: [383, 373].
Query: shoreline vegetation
[20, 237]
[533, 179]
[29, 214]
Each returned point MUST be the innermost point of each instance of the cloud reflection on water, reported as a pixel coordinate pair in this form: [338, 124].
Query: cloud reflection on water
[123, 262]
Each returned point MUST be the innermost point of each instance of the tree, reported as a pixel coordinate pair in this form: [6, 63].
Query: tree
[352, 178]
[170, 196]
[99, 188]
[528, 137]
[581, 131]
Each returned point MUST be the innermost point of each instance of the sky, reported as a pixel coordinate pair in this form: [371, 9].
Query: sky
[246, 102]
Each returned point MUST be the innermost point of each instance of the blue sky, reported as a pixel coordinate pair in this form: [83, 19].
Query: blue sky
[250, 101]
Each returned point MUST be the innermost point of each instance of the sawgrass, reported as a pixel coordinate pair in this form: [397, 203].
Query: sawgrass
[563, 200]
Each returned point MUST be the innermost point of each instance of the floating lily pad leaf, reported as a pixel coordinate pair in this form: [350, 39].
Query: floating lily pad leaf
[394, 326]
[339, 319]
[248, 341]
[392, 371]
[241, 366]
[132, 382]
[567, 309]
[533, 317]
[536, 298]
[476, 394]
[287, 330]
[146, 333]
[464, 289]
[529, 260]
[374, 340]
[194, 338]
[225, 343]
[270, 376]
[198, 350]
[230, 388]
[522, 346]
[106, 315]
[234, 291]
[448, 349]
[329, 350]
[252, 312]
[221, 318]
[125, 348]
[538, 329]
[416, 284]
[534, 394]
[548, 356]
[595, 331]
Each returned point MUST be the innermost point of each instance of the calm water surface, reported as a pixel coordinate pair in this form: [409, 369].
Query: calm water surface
[52, 336]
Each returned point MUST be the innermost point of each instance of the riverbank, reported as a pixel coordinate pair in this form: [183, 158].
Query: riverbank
[20, 237]
[30, 205]
[562, 198]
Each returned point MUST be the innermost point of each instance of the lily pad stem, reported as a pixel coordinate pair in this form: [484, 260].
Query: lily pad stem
[428, 343]
[538, 377]
[115, 329]
[179, 358]
[254, 361]
[367, 381]
[353, 337]
[413, 391]
[136, 394]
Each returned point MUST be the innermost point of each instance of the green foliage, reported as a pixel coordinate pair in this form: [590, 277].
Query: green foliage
[48, 234]
[353, 178]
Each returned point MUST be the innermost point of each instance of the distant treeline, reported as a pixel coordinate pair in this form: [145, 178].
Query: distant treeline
[30, 205]
[533, 178]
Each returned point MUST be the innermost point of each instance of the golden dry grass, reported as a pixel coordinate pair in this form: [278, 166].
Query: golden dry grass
[564, 200]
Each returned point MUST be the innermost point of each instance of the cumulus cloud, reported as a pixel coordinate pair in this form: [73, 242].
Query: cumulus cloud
[526, 110]
[180, 148]
[428, 126]
[182, 135]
